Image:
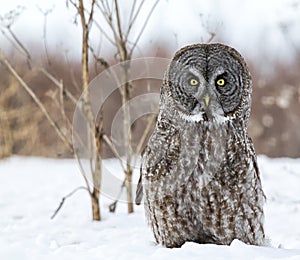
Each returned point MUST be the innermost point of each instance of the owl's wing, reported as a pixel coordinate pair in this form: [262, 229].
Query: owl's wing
[255, 164]
[139, 190]
[159, 156]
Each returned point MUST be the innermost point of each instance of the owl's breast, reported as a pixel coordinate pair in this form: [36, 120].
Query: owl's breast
[204, 148]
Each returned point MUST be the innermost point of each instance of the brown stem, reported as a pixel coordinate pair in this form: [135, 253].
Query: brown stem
[61, 135]
[64, 199]
[128, 184]
[94, 140]
[95, 205]
[143, 28]
[122, 48]
[19, 44]
[113, 149]
[59, 84]
[150, 122]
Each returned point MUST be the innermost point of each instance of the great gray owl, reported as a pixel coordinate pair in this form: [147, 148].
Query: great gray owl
[199, 172]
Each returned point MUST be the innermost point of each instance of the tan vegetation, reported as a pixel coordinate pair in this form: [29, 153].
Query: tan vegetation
[274, 124]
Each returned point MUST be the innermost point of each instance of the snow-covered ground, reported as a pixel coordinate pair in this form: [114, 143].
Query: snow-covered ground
[31, 189]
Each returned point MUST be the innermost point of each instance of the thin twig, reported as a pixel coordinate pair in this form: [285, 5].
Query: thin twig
[22, 47]
[59, 85]
[64, 91]
[61, 135]
[66, 197]
[112, 27]
[143, 28]
[132, 20]
[90, 20]
[112, 206]
[108, 10]
[6, 22]
[74, 4]
[82, 171]
[150, 122]
[212, 36]
[45, 13]
[12, 41]
[138, 149]
[102, 61]
[73, 79]
[94, 145]
[130, 16]
[68, 123]
[118, 21]
[113, 149]
[104, 33]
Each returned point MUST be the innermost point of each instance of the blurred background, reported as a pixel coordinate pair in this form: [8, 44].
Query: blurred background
[46, 35]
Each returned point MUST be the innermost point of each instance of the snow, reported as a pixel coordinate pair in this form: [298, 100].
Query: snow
[31, 189]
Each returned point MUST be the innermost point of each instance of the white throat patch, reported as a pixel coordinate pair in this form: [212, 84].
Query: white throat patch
[198, 117]
[191, 118]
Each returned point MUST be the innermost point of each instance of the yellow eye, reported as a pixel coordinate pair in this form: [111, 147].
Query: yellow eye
[194, 82]
[221, 82]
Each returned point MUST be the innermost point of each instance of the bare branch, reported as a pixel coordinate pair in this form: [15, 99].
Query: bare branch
[94, 144]
[103, 10]
[108, 10]
[90, 20]
[102, 61]
[80, 10]
[151, 120]
[143, 27]
[10, 40]
[45, 14]
[112, 207]
[212, 36]
[73, 3]
[138, 149]
[37, 101]
[68, 123]
[6, 22]
[104, 33]
[132, 20]
[59, 85]
[120, 39]
[66, 197]
[118, 21]
[107, 14]
[131, 15]
[74, 81]
[82, 171]
[113, 149]
[21, 46]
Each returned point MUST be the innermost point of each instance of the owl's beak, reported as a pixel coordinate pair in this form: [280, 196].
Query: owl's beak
[206, 99]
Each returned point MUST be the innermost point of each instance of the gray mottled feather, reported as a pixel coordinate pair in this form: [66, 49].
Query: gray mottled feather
[200, 176]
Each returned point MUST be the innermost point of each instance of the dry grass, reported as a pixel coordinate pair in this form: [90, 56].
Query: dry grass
[274, 124]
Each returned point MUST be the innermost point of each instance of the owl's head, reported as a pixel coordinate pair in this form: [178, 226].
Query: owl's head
[209, 82]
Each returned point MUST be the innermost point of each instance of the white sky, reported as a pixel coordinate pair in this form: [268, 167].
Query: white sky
[251, 26]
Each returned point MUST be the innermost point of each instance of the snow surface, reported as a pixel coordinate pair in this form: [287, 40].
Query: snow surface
[31, 189]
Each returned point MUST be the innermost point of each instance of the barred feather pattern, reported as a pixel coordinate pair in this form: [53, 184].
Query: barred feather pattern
[213, 196]
[199, 175]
